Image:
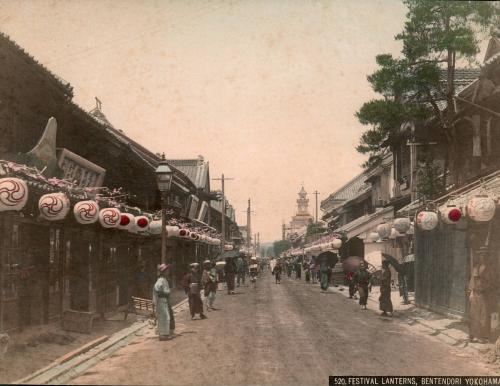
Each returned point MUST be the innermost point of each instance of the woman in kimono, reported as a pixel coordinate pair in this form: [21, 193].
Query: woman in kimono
[161, 292]
[385, 289]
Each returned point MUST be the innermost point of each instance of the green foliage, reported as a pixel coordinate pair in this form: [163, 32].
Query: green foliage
[435, 35]
[281, 246]
[429, 183]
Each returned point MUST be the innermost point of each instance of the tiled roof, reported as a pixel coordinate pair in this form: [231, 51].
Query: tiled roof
[195, 169]
[351, 190]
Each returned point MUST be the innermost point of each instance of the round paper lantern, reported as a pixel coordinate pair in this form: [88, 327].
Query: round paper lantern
[141, 223]
[372, 237]
[13, 194]
[427, 221]
[109, 217]
[336, 243]
[172, 230]
[194, 236]
[184, 233]
[217, 242]
[228, 247]
[481, 208]
[450, 214]
[384, 230]
[127, 221]
[155, 227]
[402, 225]
[54, 206]
[86, 212]
[394, 234]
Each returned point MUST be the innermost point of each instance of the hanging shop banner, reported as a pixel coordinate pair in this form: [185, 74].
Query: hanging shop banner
[86, 212]
[13, 194]
[54, 206]
[109, 217]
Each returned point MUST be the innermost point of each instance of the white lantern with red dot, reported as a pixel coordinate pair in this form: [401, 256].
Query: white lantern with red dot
[481, 208]
[194, 236]
[172, 230]
[402, 225]
[184, 233]
[109, 217]
[141, 223]
[13, 194]
[427, 220]
[127, 221]
[54, 206]
[384, 230]
[155, 227]
[450, 214]
[86, 212]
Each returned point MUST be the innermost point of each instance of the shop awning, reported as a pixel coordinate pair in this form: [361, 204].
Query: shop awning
[367, 222]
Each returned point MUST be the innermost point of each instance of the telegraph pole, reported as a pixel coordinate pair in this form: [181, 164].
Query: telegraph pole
[249, 225]
[223, 179]
[316, 193]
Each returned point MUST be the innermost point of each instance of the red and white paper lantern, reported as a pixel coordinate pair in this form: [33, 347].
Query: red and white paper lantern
[194, 236]
[109, 217]
[481, 208]
[155, 227]
[141, 223]
[127, 221]
[427, 220]
[86, 212]
[450, 214]
[172, 230]
[184, 233]
[54, 206]
[402, 225]
[13, 194]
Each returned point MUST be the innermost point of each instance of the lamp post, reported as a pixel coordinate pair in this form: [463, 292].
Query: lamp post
[164, 180]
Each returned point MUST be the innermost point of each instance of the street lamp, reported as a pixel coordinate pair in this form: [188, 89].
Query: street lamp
[164, 180]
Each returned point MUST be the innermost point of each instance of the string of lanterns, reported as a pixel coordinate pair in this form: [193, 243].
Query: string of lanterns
[57, 205]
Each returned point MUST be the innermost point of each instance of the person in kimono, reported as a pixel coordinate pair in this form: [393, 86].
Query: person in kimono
[230, 270]
[361, 282]
[324, 271]
[192, 286]
[161, 292]
[480, 290]
[277, 271]
[240, 268]
[385, 289]
[209, 283]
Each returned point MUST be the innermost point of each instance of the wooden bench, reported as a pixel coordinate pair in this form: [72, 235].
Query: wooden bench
[140, 306]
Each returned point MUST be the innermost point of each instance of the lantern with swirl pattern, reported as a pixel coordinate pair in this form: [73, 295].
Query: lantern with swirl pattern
[86, 212]
[13, 194]
[54, 206]
[109, 217]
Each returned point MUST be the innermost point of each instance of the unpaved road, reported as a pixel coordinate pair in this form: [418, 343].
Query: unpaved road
[280, 334]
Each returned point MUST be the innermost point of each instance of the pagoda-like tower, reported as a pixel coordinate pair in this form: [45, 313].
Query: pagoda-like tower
[302, 203]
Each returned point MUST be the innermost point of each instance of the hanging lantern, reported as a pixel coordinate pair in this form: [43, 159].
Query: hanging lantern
[141, 223]
[13, 194]
[228, 247]
[394, 234]
[481, 208]
[155, 227]
[217, 242]
[427, 220]
[54, 206]
[336, 243]
[184, 233]
[127, 221]
[109, 217]
[450, 214]
[172, 230]
[194, 236]
[402, 225]
[384, 230]
[86, 212]
[372, 237]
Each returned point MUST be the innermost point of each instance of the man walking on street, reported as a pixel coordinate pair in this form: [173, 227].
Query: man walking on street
[192, 286]
[385, 290]
[240, 268]
[361, 281]
[209, 282]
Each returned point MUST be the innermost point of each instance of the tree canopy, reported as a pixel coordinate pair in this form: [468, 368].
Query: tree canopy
[412, 87]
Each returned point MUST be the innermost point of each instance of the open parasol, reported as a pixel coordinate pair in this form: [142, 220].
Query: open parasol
[394, 262]
[351, 264]
[330, 257]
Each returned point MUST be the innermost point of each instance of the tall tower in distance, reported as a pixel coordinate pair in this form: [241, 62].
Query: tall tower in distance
[303, 203]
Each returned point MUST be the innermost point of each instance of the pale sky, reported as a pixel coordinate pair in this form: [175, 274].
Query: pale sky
[265, 90]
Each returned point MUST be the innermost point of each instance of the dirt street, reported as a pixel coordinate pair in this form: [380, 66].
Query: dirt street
[280, 334]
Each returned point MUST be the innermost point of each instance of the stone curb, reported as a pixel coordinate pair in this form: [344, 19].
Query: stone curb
[62, 368]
